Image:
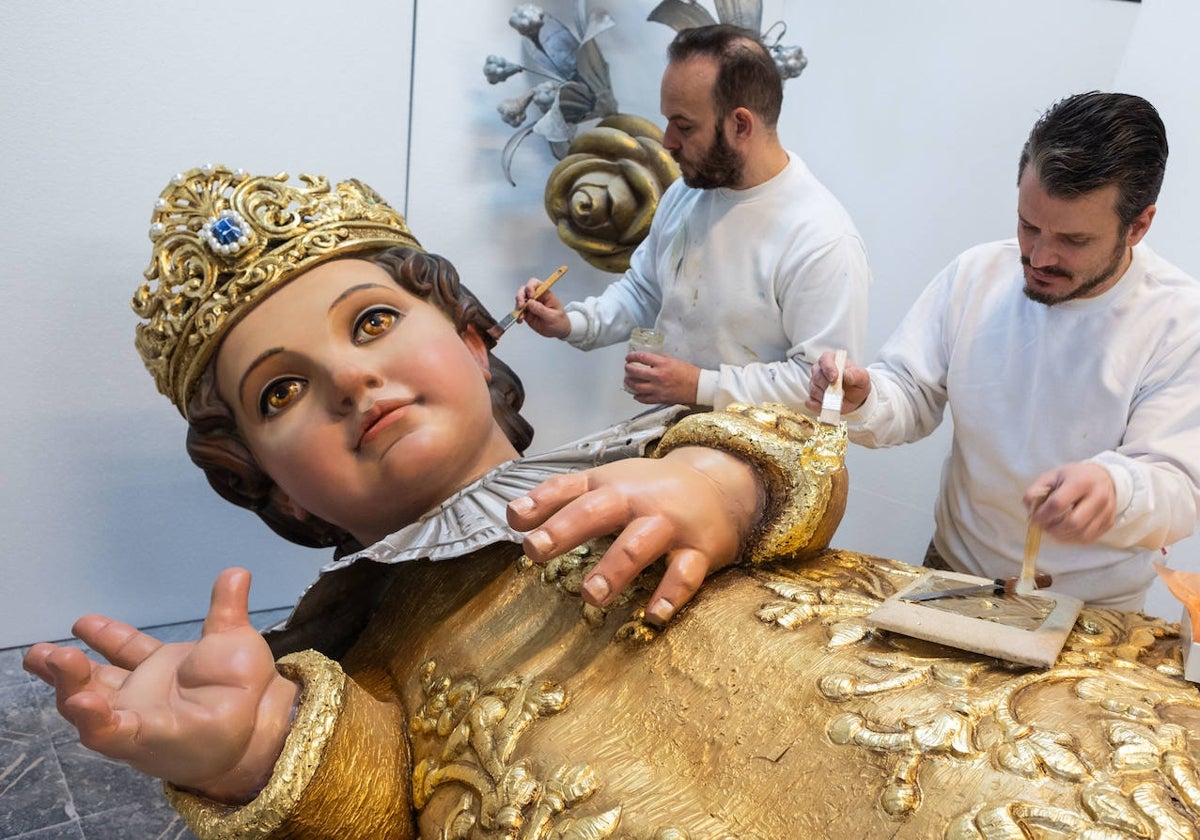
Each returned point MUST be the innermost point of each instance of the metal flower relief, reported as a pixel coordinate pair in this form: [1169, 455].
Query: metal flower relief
[603, 195]
[605, 189]
[576, 85]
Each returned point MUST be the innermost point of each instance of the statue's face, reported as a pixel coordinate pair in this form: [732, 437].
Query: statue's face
[359, 399]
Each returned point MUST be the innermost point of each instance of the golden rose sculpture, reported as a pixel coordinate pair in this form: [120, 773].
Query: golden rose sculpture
[603, 195]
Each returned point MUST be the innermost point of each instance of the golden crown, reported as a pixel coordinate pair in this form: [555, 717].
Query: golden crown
[224, 240]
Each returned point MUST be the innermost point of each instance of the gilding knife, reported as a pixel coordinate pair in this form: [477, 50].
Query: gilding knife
[1000, 586]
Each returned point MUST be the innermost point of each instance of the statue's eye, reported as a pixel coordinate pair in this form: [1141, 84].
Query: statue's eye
[374, 323]
[278, 395]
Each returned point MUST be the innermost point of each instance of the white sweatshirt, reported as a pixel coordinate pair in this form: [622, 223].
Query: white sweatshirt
[749, 285]
[1113, 379]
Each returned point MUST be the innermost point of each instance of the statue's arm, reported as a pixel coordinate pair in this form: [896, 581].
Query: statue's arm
[799, 461]
[749, 483]
[345, 770]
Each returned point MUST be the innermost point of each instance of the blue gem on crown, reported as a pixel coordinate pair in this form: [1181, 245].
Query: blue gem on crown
[227, 233]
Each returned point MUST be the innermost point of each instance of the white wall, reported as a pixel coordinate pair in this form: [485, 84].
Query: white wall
[100, 104]
[913, 113]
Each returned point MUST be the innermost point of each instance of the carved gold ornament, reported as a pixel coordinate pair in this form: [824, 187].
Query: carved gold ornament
[481, 728]
[567, 571]
[224, 240]
[1099, 724]
[603, 195]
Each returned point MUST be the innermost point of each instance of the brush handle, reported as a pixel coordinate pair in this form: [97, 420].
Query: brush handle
[1033, 539]
[541, 289]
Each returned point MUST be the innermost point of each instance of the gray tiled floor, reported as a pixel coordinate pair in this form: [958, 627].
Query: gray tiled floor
[51, 788]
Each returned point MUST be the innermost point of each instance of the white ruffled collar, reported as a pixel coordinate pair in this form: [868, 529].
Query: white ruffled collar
[476, 515]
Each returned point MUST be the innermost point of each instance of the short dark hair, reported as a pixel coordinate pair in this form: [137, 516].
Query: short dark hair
[1090, 140]
[216, 446]
[746, 73]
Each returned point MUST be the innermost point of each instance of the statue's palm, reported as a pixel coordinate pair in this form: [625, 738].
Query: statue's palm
[182, 712]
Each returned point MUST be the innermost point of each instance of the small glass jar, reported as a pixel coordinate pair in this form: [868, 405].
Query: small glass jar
[644, 339]
[651, 341]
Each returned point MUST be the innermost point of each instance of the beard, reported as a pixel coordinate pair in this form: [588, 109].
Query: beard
[721, 166]
[1083, 289]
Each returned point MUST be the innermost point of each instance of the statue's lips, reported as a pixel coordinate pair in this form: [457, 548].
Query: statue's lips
[380, 417]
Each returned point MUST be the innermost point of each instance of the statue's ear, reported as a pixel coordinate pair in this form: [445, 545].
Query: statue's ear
[477, 347]
[285, 503]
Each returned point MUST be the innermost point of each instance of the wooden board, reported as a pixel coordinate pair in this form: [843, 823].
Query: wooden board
[1029, 629]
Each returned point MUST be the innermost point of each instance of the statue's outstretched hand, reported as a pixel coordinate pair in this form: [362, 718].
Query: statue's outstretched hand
[210, 716]
[695, 505]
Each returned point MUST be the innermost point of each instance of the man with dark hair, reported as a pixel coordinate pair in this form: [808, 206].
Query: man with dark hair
[751, 267]
[1071, 361]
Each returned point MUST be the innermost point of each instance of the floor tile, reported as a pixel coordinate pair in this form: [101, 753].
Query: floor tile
[53, 788]
[33, 789]
[136, 822]
[11, 672]
[64, 831]
[100, 784]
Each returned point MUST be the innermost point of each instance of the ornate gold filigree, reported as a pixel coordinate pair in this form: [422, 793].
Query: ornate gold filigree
[567, 571]
[505, 797]
[1138, 781]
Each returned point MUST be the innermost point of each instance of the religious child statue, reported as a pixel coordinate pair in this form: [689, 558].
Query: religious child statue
[483, 658]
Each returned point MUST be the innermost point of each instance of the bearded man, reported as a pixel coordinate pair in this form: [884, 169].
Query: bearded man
[1071, 361]
[751, 267]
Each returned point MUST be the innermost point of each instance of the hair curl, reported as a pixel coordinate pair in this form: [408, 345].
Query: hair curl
[216, 446]
[746, 74]
[1091, 140]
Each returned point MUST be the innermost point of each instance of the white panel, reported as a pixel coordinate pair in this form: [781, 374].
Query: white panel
[102, 103]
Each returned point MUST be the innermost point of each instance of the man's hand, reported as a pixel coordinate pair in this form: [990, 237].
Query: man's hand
[210, 715]
[546, 314]
[856, 383]
[658, 379]
[1080, 502]
[695, 505]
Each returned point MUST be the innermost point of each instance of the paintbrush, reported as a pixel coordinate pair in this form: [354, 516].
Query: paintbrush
[831, 403]
[1033, 538]
[511, 318]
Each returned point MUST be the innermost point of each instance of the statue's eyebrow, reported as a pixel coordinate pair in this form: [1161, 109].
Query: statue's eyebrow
[262, 357]
[353, 290]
